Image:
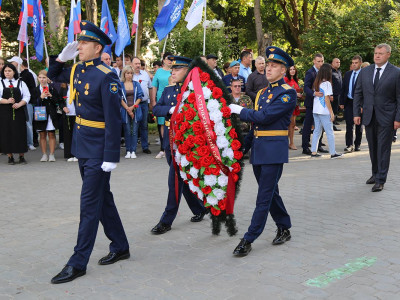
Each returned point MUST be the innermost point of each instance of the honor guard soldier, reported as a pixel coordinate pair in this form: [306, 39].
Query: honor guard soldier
[96, 143]
[164, 108]
[268, 138]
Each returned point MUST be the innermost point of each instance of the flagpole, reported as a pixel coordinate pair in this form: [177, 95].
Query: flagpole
[45, 46]
[75, 56]
[165, 44]
[204, 25]
[123, 58]
[19, 55]
[27, 54]
[136, 34]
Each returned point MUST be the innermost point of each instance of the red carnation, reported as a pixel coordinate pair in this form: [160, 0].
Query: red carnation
[215, 171]
[192, 98]
[179, 118]
[206, 190]
[200, 140]
[203, 151]
[222, 204]
[196, 181]
[223, 101]
[204, 76]
[233, 134]
[190, 114]
[210, 84]
[185, 126]
[236, 167]
[235, 177]
[207, 161]
[217, 93]
[238, 155]
[226, 112]
[207, 171]
[190, 141]
[183, 148]
[196, 164]
[188, 176]
[178, 135]
[236, 145]
[197, 128]
[229, 123]
[200, 71]
[215, 212]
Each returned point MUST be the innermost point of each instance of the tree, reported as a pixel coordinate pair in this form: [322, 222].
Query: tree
[91, 11]
[56, 16]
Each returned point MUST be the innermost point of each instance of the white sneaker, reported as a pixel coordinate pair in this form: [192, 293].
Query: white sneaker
[128, 155]
[75, 159]
[133, 155]
[31, 147]
[44, 157]
[61, 146]
[161, 154]
[52, 158]
[70, 159]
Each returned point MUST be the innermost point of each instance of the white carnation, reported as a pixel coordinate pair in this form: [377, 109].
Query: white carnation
[210, 180]
[183, 175]
[216, 116]
[184, 161]
[178, 156]
[185, 95]
[212, 105]
[194, 172]
[223, 180]
[212, 200]
[192, 187]
[200, 194]
[219, 128]
[220, 194]
[191, 86]
[222, 142]
[207, 93]
[227, 152]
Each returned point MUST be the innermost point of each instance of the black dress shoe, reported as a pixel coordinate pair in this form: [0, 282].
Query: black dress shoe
[199, 217]
[112, 257]
[322, 150]
[11, 160]
[322, 144]
[161, 228]
[243, 248]
[336, 123]
[22, 160]
[371, 180]
[67, 274]
[147, 151]
[377, 187]
[336, 129]
[307, 151]
[357, 148]
[282, 235]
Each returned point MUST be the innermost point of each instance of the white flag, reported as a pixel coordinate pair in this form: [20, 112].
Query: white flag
[195, 14]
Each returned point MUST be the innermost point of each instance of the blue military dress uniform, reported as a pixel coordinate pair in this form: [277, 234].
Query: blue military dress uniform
[227, 80]
[96, 139]
[269, 144]
[161, 109]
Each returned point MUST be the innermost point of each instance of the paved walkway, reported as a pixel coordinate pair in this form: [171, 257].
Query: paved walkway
[345, 240]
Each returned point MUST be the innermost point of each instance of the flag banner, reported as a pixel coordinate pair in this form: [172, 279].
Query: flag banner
[30, 11]
[38, 30]
[77, 17]
[71, 22]
[107, 26]
[169, 16]
[23, 30]
[195, 14]
[124, 38]
[135, 11]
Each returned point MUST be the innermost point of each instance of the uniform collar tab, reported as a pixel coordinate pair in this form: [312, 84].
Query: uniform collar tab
[276, 83]
[93, 62]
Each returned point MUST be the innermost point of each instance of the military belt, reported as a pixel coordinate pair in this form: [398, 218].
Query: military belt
[258, 133]
[94, 124]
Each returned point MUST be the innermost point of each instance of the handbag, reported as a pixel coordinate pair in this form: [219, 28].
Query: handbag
[40, 113]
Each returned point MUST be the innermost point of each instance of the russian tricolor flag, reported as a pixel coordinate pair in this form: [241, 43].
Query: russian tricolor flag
[135, 11]
[74, 20]
[29, 9]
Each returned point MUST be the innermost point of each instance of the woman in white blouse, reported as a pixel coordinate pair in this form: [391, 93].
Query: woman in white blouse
[14, 97]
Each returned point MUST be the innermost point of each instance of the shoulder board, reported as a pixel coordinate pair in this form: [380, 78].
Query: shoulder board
[104, 69]
[286, 86]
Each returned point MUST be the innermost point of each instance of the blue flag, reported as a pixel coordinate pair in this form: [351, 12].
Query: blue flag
[38, 30]
[106, 25]
[169, 16]
[124, 38]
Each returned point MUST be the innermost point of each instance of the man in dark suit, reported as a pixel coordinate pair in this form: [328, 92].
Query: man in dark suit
[337, 89]
[309, 103]
[377, 97]
[346, 103]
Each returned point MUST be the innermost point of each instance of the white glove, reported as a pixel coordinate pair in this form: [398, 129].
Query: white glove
[235, 109]
[69, 52]
[171, 110]
[108, 166]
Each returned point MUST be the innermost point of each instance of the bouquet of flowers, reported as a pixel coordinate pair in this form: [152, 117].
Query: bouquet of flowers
[207, 144]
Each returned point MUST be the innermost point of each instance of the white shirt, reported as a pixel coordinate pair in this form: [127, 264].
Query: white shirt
[34, 76]
[381, 71]
[244, 71]
[145, 83]
[319, 102]
[26, 96]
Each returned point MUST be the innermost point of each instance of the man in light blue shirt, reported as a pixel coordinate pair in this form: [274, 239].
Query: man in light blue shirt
[246, 58]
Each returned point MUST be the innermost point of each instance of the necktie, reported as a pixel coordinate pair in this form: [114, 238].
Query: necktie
[353, 84]
[376, 80]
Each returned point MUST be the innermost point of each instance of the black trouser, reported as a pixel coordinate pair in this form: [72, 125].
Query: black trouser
[335, 104]
[68, 126]
[380, 145]
[348, 114]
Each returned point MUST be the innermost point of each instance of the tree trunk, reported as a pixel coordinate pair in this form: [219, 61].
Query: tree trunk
[259, 27]
[91, 11]
[56, 16]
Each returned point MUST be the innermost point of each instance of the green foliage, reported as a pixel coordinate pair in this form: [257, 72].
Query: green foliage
[345, 34]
